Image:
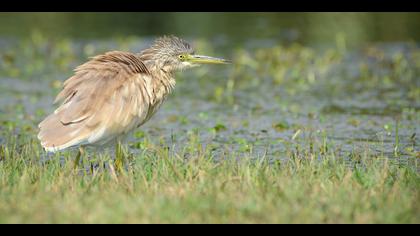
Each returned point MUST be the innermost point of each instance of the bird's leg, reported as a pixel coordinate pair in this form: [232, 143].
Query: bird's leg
[79, 154]
[119, 157]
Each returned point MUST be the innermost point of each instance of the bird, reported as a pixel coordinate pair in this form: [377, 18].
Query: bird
[116, 92]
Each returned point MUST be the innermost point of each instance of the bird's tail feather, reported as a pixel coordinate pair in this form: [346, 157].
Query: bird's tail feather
[56, 136]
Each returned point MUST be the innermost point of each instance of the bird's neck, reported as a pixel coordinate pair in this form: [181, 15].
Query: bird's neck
[167, 79]
[163, 80]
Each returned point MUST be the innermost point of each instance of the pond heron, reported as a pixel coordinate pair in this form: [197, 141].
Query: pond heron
[115, 93]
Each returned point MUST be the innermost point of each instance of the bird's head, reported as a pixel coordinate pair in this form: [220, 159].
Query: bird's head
[171, 53]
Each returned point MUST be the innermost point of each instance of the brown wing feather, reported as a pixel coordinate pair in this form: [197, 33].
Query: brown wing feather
[101, 88]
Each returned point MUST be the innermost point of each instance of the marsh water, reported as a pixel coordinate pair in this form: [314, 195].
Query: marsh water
[290, 87]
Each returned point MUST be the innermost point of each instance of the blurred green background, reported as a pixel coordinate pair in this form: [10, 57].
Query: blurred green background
[305, 28]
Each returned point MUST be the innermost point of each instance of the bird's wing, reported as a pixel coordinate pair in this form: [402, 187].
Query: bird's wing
[101, 99]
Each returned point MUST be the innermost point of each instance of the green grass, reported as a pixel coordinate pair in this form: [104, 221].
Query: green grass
[159, 187]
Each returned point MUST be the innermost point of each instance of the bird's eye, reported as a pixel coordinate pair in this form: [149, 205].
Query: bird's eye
[182, 56]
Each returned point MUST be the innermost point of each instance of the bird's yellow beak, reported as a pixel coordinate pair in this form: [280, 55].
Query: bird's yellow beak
[199, 59]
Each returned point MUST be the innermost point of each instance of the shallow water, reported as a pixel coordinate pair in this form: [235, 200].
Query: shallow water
[273, 99]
